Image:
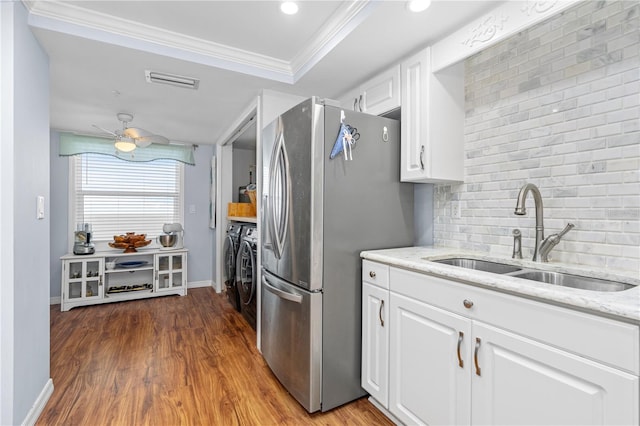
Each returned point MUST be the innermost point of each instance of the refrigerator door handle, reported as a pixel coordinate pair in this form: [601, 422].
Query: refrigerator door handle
[296, 298]
[280, 189]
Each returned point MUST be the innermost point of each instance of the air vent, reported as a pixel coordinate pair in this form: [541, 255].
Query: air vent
[174, 80]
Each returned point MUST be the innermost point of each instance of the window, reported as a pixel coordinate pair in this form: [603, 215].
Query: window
[117, 196]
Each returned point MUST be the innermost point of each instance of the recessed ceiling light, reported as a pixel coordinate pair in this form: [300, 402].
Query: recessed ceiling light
[418, 5]
[289, 7]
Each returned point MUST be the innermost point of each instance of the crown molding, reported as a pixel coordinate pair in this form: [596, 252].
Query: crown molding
[58, 16]
[341, 23]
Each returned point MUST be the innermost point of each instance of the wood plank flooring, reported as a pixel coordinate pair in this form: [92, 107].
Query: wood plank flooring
[171, 360]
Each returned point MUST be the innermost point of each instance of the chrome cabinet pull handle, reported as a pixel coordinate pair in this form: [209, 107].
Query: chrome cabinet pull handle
[355, 104]
[360, 104]
[380, 313]
[421, 155]
[372, 274]
[467, 303]
[460, 337]
[475, 356]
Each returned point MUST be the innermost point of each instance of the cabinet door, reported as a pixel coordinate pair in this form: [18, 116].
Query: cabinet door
[522, 381]
[170, 272]
[375, 342]
[414, 153]
[382, 93]
[432, 120]
[82, 280]
[430, 380]
[352, 100]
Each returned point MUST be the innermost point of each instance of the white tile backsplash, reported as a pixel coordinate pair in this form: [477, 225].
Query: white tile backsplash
[557, 105]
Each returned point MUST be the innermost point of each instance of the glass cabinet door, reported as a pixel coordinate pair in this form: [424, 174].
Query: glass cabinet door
[84, 279]
[169, 271]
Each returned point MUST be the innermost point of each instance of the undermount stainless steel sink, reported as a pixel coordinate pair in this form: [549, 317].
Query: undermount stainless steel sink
[547, 277]
[574, 281]
[479, 265]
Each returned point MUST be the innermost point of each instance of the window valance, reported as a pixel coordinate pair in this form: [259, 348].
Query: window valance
[73, 144]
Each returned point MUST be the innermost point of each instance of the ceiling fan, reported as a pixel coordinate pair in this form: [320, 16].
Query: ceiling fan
[130, 138]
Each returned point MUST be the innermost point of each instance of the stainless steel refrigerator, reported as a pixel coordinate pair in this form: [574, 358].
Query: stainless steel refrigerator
[318, 214]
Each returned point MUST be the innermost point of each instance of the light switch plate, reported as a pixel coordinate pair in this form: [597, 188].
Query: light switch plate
[40, 207]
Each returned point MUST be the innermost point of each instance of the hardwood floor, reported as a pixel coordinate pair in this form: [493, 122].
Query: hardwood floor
[171, 360]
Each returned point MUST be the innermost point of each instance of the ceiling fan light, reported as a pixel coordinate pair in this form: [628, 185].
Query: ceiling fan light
[125, 144]
[418, 5]
[289, 7]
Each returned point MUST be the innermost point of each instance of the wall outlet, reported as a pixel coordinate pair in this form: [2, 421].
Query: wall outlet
[455, 210]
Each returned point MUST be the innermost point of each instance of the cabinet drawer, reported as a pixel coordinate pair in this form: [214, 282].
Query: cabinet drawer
[602, 339]
[375, 273]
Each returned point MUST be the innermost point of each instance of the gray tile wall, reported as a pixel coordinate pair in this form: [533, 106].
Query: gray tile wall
[556, 105]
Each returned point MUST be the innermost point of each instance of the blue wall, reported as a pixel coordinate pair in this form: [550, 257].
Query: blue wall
[24, 325]
[199, 239]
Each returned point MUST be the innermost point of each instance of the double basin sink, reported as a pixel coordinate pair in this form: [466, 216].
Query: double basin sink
[555, 278]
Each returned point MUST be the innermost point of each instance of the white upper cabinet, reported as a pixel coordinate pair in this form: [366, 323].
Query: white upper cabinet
[432, 120]
[377, 96]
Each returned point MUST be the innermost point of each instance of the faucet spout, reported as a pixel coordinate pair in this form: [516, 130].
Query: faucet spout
[521, 210]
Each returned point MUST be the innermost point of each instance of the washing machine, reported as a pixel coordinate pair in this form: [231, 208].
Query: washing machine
[246, 273]
[231, 248]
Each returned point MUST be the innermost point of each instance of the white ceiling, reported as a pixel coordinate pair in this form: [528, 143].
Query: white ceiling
[99, 51]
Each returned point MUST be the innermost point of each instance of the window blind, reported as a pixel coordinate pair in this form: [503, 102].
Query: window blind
[117, 196]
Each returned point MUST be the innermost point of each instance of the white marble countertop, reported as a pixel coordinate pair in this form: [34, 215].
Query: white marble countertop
[624, 305]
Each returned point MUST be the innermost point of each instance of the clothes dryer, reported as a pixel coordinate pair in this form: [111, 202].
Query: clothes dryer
[231, 247]
[246, 273]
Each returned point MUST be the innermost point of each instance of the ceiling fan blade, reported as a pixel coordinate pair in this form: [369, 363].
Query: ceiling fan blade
[106, 131]
[145, 141]
[136, 133]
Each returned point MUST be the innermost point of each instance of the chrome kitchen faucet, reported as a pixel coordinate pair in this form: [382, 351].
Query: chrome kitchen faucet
[542, 246]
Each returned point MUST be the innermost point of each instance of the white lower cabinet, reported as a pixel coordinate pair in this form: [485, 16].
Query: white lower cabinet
[520, 381]
[463, 355]
[428, 347]
[375, 330]
[375, 337]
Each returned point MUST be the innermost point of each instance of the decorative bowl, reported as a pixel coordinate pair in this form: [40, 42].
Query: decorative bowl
[129, 242]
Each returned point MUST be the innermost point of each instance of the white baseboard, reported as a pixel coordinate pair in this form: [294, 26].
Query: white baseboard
[39, 404]
[54, 300]
[196, 284]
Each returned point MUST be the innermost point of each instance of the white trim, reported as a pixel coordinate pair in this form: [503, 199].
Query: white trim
[342, 22]
[66, 18]
[247, 116]
[503, 21]
[39, 404]
[55, 300]
[198, 284]
[7, 221]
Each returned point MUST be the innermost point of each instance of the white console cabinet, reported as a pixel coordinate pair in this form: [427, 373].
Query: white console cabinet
[87, 279]
[460, 354]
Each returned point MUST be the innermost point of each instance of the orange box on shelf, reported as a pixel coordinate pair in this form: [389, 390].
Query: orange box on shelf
[241, 210]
